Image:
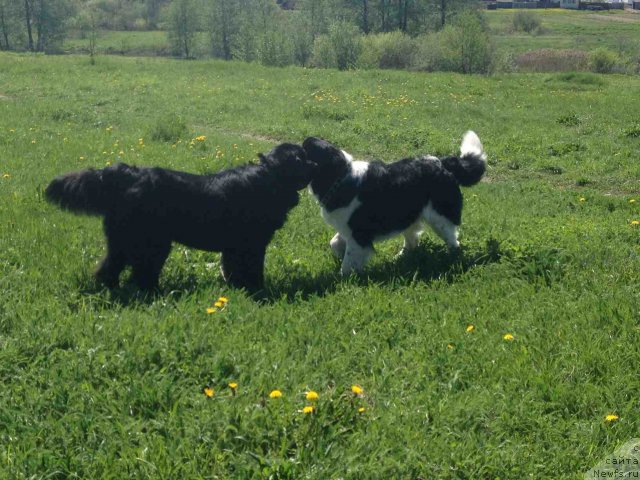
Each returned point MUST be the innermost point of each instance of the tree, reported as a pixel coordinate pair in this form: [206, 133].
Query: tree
[223, 26]
[183, 25]
[9, 19]
[50, 20]
[28, 21]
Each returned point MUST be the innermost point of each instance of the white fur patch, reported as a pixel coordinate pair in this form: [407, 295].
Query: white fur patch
[444, 228]
[359, 168]
[347, 155]
[355, 258]
[471, 145]
[339, 218]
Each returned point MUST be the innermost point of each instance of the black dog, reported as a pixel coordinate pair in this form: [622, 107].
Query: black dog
[236, 212]
[371, 201]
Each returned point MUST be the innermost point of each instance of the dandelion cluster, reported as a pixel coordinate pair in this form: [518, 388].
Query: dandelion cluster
[218, 305]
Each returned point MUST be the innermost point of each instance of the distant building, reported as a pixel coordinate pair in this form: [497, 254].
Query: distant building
[574, 4]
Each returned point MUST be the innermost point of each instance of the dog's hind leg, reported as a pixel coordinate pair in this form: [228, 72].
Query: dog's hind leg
[244, 268]
[355, 257]
[444, 228]
[148, 261]
[338, 246]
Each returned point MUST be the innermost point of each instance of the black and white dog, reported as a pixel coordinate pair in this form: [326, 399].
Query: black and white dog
[370, 201]
[236, 212]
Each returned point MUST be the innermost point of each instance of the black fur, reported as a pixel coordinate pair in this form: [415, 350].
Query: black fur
[236, 212]
[392, 195]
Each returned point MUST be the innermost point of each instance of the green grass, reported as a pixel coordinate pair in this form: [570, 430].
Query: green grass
[100, 384]
[566, 29]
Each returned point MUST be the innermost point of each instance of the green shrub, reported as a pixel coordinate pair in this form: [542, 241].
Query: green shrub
[276, 49]
[526, 21]
[323, 55]
[602, 60]
[388, 50]
[169, 128]
[463, 47]
[340, 48]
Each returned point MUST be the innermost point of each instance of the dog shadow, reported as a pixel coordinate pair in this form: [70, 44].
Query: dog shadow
[428, 263]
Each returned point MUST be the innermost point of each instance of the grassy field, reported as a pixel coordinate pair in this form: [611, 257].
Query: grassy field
[502, 362]
[616, 30]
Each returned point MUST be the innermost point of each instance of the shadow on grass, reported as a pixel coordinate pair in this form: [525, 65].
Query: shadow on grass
[428, 263]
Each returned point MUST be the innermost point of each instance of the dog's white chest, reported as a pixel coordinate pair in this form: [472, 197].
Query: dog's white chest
[339, 218]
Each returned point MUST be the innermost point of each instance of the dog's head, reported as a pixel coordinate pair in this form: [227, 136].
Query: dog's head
[291, 164]
[324, 154]
[331, 163]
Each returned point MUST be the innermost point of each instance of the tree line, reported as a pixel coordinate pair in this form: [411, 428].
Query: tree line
[41, 25]
[424, 34]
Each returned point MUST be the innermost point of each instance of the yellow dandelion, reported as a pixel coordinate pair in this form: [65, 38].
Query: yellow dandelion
[362, 410]
[201, 138]
[12, 130]
[275, 394]
[211, 310]
[635, 222]
[611, 418]
[223, 299]
[308, 409]
[6, 175]
[208, 391]
[218, 304]
[233, 385]
[33, 142]
[582, 199]
[107, 163]
[508, 337]
[633, 200]
[470, 328]
[82, 158]
[451, 346]
[311, 395]
[357, 389]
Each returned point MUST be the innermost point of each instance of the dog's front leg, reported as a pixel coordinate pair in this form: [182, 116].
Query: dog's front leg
[355, 257]
[338, 246]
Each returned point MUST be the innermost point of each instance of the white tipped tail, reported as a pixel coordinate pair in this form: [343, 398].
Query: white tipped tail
[471, 146]
[469, 167]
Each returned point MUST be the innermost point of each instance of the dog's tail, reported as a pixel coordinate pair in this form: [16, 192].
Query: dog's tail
[469, 167]
[91, 191]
